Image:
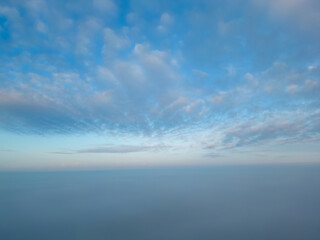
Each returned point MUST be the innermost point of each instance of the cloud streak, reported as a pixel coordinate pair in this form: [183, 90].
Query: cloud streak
[126, 149]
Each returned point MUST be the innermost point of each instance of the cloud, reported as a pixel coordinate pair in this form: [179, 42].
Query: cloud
[125, 149]
[200, 74]
[303, 13]
[113, 42]
[218, 98]
[85, 35]
[10, 12]
[146, 94]
[248, 133]
[106, 6]
[270, 129]
[128, 94]
[41, 27]
[280, 80]
[166, 21]
[60, 153]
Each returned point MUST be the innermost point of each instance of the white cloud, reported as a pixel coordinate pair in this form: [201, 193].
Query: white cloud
[281, 79]
[132, 18]
[177, 103]
[200, 74]
[292, 88]
[311, 85]
[195, 107]
[250, 79]
[166, 21]
[66, 77]
[41, 27]
[304, 14]
[113, 42]
[36, 6]
[13, 16]
[312, 67]
[10, 12]
[159, 64]
[126, 149]
[227, 27]
[219, 98]
[106, 6]
[271, 129]
[130, 75]
[103, 98]
[85, 33]
[231, 70]
[105, 75]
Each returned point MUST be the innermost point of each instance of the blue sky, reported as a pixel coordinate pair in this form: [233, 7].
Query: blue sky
[104, 83]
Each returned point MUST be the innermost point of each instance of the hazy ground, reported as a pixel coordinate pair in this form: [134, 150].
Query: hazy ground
[234, 202]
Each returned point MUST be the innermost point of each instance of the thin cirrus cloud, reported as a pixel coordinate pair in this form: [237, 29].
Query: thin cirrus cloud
[240, 73]
[117, 149]
[125, 149]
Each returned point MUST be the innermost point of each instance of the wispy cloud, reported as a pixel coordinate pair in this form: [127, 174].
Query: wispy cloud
[126, 149]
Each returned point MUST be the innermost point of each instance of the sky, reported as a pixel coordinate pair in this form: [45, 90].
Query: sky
[131, 83]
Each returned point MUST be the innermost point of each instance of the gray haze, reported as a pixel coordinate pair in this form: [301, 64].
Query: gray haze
[243, 202]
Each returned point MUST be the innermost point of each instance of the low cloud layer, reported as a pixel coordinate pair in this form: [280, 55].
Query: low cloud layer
[125, 149]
